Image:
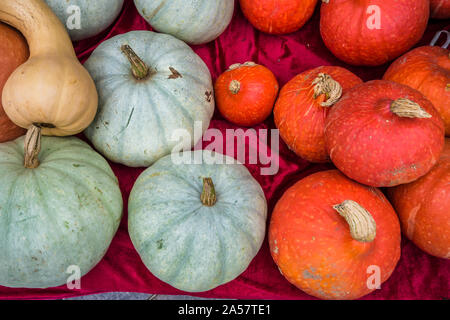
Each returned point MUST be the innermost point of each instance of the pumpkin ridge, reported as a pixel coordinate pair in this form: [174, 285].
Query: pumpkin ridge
[175, 175]
[165, 228]
[7, 207]
[81, 162]
[155, 107]
[80, 183]
[177, 104]
[239, 228]
[167, 53]
[173, 275]
[44, 203]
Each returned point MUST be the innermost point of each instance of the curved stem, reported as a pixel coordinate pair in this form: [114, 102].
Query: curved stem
[238, 65]
[32, 147]
[208, 196]
[139, 69]
[325, 84]
[406, 108]
[362, 225]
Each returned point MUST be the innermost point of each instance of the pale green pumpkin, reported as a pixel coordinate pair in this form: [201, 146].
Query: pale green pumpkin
[193, 21]
[86, 18]
[150, 86]
[193, 232]
[62, 213]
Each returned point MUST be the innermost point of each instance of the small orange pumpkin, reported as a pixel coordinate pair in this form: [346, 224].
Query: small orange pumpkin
[424, 208]
[278, 17]
[246, 93]
[426, 69]
[328, 234]
[303, 106]
[13, 52]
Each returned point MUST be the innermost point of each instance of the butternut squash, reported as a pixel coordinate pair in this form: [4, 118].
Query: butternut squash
[52, 89]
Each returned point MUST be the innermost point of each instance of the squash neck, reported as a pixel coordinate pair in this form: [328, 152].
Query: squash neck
[41, 28]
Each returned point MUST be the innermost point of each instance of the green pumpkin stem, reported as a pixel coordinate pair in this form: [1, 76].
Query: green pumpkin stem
[208, 196]
[139, 68]
[32, 147]
[362, 225]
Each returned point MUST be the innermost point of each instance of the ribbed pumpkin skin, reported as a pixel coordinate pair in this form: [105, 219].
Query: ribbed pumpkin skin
[193, 21]
[13, 52]
[279, 16]
[374, 146]
[301, 118]
[136, 120]
[186, 244]
[426, 69]
[95, 16]
[311, 243]
[424, 208]
[63, 213]
[348, 31]
[440, 9]
[254, 100]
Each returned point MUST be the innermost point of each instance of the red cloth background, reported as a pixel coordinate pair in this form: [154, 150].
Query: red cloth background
[417, 276]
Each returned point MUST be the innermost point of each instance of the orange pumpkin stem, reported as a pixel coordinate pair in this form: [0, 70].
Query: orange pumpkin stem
[362, 225]
[139, 68]
[208, 196]
[406, 108]
[325, 84]
[32, 147]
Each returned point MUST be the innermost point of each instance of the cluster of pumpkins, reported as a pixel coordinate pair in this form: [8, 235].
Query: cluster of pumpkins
[197, 226]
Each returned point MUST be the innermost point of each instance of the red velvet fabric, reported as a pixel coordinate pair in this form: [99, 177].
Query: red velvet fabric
[417, 276]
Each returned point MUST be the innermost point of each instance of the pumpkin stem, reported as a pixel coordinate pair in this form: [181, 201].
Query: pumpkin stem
[238, 65]
[235, 87]
[139, 68]
[325, 84]
[362, 225]
[32, 147]
[406, 108]
[208, 196]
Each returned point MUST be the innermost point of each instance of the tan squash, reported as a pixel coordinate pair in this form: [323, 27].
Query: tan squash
[52, 89]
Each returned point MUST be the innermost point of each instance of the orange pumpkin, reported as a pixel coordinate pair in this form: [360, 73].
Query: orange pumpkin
[383, 134]
[303, 106]
[331, 237]
[13, 52]
[246, 93]
[424, 208]
[279, 16]
[426, 69]
[440, 9]
[372, 32]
